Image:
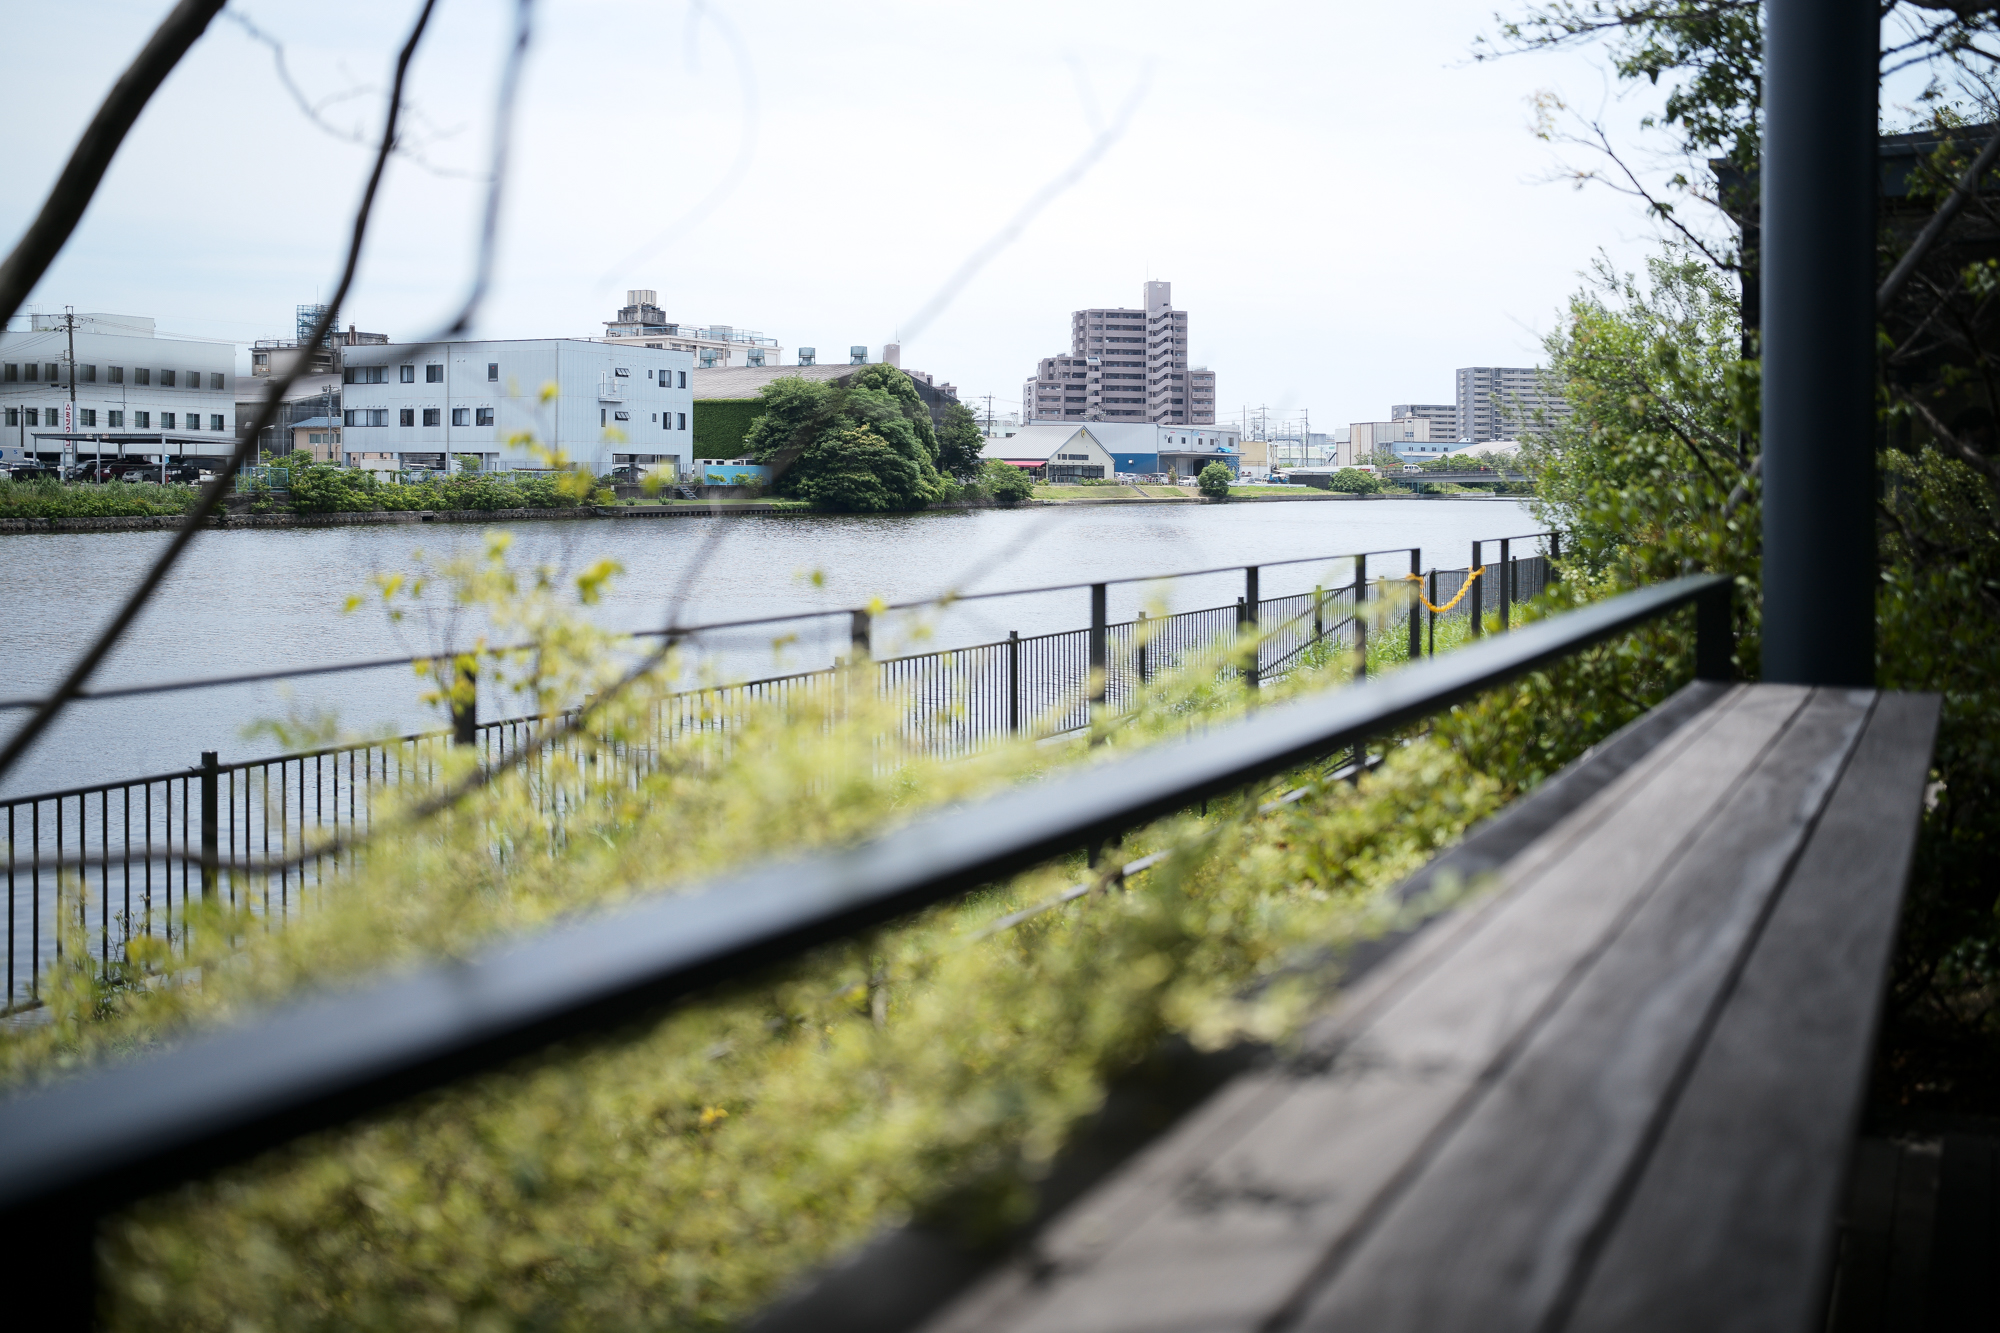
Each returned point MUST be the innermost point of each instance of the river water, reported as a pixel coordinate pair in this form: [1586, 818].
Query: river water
[262, 599]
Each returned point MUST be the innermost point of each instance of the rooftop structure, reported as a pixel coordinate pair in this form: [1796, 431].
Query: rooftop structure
[642, 323]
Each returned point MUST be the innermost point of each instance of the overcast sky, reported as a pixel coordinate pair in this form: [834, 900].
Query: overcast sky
[1347, 206]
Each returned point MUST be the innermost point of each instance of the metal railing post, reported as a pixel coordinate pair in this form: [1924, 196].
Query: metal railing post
[1555, 557]
[1246, 620]
[1475, 611]
[1714, 634]
[1360, 617]
[1319, 613]
[1416, 607]
[1430, 615]
[859, 633]
[1097, 629]
[465, 703]
[1014, 682]
[1140, 636]
[1817, 267]
[1506, 585]
[210, 824]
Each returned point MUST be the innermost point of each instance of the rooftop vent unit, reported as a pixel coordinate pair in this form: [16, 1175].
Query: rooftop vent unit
[857, 355]
[809, 356]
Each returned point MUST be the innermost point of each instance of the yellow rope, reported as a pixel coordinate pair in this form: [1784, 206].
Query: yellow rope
[1463, 589]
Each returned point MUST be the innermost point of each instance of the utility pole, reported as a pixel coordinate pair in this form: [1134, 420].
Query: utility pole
[69, 426]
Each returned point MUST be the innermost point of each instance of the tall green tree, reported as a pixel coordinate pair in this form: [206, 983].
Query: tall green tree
[960, 443]
[824, 442]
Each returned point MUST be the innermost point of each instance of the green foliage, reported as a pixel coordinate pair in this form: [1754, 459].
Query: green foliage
[679, 1173]
[324, 488]
[1651, 476]
[47, 498]
[721, 426]
[960, 443]
[1005, 482]
[1214, 481]
[1353, 481]
[863, 446]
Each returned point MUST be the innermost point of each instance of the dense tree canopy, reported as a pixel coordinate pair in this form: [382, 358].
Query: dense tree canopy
[959, 444]
[864, 446]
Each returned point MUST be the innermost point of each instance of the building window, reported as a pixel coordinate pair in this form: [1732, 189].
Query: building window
[260, 358]
[434, 374]
[215, 421]
[166, 379]
[193, 420]
[141, 375]
[166, 421]
[622, 416]
[116, 374]
[684, 416]
[114, 418]
[409, 374]
[368, 374]
[33, 419]
[12, 375]
[55, 372]
[13, 416]
[89, 374]
[603, 416]
[215, 379]
[461, 416]
[492, 372]
[89, 415]
[142, 420]
[34, 371]
[432, 416]
[482, 416]
[684, 379]
[407, 417]
[368, 416]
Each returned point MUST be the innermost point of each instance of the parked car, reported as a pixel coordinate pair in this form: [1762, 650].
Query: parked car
[35, 472]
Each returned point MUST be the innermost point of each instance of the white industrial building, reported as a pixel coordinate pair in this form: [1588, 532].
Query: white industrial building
[422, 404]
[137, 395]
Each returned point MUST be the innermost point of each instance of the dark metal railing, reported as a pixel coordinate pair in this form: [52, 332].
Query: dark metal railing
[71, 1152]
[139, 853]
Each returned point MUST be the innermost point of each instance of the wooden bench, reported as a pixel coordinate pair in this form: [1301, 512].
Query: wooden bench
[1616, 1090]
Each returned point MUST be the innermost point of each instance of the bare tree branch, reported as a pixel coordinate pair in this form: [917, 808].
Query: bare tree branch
[63, 209]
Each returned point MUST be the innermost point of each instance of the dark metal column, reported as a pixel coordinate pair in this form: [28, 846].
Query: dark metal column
[1246, 620]
[1097, 636]
[1416, 606]
[1817, 258]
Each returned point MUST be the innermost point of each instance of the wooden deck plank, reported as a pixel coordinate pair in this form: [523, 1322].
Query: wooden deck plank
[1230, 1219]
[1519, 1194]
[1731, 1225]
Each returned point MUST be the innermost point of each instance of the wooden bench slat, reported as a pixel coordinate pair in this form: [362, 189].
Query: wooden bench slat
[1519, 1194]
[1732, 1224]
[1235, 1216]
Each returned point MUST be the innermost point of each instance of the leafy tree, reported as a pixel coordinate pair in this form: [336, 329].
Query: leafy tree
[1214, 481]
[815, 435]
[1005, 482]
[960, 443]
[1353, 481]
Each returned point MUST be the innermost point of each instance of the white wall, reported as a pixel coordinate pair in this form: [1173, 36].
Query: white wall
[580, 420]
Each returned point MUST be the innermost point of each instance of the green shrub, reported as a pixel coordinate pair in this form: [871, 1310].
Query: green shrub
[48, 498]
[1005, 482]
[1214, 481]
[1353, 481]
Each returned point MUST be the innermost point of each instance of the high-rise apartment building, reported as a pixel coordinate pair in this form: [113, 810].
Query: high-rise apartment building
[1124, 365]
[1505, 403]
[1443, 417]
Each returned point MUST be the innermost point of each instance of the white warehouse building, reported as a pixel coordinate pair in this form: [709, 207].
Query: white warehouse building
[136, 395]
[423, 404]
